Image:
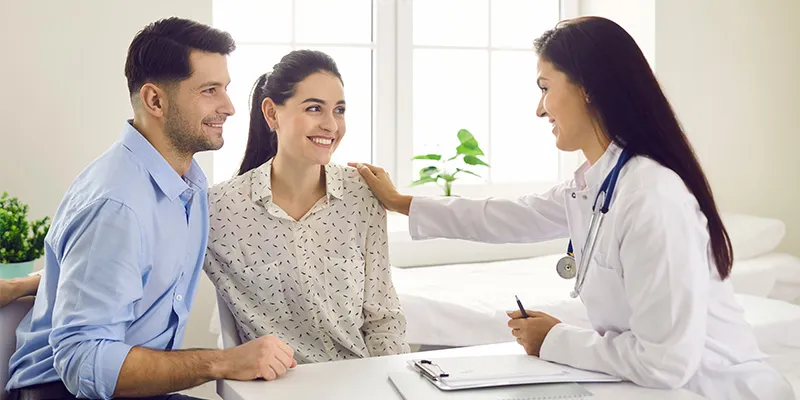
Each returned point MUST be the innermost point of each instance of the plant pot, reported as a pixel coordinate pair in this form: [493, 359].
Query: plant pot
[16, 270]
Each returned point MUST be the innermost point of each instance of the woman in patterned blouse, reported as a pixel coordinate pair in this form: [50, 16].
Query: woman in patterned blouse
[298, 245]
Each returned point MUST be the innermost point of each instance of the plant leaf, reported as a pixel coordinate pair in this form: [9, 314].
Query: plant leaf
[465, 136]
[466, 172]
[20, 240]
[447, 177]
[428, 172]
[469, 148]
[435, 157]
[472, 160]
[424, 180]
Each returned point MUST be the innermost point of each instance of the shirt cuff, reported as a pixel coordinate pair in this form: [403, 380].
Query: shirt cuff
[552, 347]
[104, 371]
[415, 228]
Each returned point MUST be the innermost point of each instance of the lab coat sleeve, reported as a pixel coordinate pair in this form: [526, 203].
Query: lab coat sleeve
[529, 219]
[665, 266]
[384, 322]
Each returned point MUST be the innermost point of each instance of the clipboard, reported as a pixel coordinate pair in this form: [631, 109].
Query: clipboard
[457, 373]
[413, 386]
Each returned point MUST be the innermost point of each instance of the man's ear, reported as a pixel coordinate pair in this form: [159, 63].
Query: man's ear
[270, 111]
[153, 99]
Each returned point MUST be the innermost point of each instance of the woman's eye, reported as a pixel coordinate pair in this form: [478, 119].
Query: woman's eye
[340, 110]
[210, 90]
[313, 108]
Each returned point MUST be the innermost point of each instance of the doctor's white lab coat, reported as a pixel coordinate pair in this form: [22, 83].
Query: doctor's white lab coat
[661, 315]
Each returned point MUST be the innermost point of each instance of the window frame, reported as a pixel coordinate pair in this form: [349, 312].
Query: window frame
[392, 108]
[399, 164]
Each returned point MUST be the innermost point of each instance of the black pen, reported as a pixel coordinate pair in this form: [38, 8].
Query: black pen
[521, 308]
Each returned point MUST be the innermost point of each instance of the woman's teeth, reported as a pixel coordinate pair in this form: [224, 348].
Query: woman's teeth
[323, 141]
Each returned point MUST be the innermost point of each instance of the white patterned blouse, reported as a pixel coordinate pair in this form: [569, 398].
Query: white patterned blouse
[322, 284]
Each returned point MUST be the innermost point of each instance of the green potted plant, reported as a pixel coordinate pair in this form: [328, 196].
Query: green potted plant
[21, 242]
[468, 151]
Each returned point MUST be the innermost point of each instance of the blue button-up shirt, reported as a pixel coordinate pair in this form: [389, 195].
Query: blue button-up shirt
[122, 262]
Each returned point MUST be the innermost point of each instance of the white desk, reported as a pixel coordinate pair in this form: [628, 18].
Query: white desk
[368, 379]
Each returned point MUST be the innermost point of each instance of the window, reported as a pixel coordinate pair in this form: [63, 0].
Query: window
[265, 31]
[477, 71]
[415, 72]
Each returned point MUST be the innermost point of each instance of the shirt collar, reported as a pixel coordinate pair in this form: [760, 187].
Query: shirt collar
[592, 175]
[170, 183]
[261, 188]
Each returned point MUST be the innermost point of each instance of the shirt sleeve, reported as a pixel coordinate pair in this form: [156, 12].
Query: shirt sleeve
[100, 280]
[529, 219]
[384, 322]
[665, 264]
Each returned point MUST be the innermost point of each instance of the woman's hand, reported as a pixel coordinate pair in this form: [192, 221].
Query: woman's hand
[531, 332]
[383, 188]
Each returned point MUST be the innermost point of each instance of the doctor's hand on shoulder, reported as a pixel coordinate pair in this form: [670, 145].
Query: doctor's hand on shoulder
[383, 188]
[531, 331]
[266, 357]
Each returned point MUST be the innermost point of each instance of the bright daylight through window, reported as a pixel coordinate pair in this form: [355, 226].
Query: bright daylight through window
[415, 73]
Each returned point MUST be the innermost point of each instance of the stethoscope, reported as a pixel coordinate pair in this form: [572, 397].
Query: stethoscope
[566, 265]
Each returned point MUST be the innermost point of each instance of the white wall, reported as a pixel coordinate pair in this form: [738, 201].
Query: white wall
[635, 16]
[729, 68]
[65, 100]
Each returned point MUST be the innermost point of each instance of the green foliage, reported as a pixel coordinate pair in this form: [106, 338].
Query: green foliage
[20, 240]
[468, 150]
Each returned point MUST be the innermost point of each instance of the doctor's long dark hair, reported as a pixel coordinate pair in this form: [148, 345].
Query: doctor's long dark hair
[279, 85]
[626, 99]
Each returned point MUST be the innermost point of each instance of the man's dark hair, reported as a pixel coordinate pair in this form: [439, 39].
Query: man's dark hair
[160, 51]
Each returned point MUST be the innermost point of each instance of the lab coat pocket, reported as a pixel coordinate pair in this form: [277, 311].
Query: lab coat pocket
[344, 281]
[265, 282]
[600, 260]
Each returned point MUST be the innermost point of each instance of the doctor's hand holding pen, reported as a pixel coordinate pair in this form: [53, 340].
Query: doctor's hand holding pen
[383, 188]
[531, 330]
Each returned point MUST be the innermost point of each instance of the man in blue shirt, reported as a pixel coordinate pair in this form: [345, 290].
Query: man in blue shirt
[125, 250]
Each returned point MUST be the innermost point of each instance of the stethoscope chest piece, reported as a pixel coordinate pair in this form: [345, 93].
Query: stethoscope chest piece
[566, 267]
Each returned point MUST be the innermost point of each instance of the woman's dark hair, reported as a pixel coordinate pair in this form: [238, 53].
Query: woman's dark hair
[279, 85]
[627, 101]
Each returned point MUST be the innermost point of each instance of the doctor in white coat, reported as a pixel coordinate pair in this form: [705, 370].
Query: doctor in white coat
[653, 284]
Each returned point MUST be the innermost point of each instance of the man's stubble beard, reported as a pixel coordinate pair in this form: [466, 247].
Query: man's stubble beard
[184, 136]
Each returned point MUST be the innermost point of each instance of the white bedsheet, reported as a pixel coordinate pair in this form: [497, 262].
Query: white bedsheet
[465, 304]
[469, 294]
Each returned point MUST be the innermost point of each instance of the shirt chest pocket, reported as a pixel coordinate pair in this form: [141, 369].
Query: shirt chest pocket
[266, 284]
[344, 281]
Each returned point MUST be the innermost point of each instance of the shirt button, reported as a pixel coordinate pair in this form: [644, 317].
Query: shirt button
[179, 297]
[574, 195]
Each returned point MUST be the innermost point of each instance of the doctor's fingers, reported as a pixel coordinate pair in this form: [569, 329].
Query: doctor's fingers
[368, 169]
[519, 323]
[517, 314]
